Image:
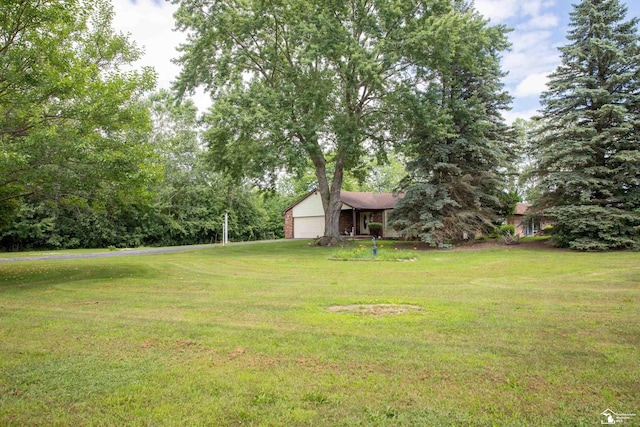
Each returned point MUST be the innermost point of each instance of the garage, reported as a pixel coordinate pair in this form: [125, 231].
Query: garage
[308, 227]
[305, 218]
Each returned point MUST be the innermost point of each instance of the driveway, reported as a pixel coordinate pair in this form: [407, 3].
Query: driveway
[127, 252]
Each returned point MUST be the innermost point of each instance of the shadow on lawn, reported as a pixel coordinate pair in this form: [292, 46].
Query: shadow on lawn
[34, 275]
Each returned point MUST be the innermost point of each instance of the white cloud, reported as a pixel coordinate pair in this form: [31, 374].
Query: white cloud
[503, 10]
[533, 84]
[511, 116]
[547, 20]
[532, 58]
[534, 8]
[533, 54]
[524, 63]
[523, 40]
[497, 10]
[150, 25]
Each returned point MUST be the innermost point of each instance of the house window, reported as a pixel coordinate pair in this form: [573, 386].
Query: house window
[531, 227]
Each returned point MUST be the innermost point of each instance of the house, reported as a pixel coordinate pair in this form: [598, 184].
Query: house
[524, 225]
[305, 218]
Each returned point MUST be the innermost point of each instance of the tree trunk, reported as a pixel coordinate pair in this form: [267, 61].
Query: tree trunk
[330, 195]
[332, 210]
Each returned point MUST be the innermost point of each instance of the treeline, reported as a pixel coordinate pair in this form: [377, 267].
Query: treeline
[179, 201]
[194, 215]
[90, 156]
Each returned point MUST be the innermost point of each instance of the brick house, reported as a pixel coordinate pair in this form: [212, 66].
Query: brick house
[304, 219]
[525, 224]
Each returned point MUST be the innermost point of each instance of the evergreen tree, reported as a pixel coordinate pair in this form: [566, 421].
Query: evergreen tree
[308, 81]
[588, 145]
[457, 141]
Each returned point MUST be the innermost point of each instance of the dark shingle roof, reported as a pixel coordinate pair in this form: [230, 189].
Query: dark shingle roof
[361, 200]
[370, 200]
[521, 208]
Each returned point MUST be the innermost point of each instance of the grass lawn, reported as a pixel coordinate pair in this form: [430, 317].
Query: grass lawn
[278, 334]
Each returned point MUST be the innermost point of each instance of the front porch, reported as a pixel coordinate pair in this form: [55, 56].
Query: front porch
[355, 222]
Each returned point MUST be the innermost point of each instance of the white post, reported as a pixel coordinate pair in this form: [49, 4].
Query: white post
[225, 229]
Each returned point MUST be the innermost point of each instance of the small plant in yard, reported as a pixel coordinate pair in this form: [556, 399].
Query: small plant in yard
[366, 253]
[510, 239]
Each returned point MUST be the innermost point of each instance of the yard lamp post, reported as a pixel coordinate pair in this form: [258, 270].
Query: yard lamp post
[225, 229]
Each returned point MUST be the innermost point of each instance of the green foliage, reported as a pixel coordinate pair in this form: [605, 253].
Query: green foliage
[500, 231]
[455, 141]
[508, 202]
[70, 119]
[595, 228]
[73, 147]
[587, 145]
[507, 229]
[378, 175]
[193, 217]
[524, 180]
[185, 207]
[321, 82]
[546, 231]
[375, 228]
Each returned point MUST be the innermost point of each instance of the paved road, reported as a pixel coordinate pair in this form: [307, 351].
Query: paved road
[126, 252]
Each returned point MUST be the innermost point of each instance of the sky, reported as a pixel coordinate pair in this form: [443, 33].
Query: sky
[539, 27]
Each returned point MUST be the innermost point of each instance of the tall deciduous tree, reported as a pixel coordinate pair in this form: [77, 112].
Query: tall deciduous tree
[70, 117]
[588, 145]
[191, 200]
[295, 81]
[456, 139]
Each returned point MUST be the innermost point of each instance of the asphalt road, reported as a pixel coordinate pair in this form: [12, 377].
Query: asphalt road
[128, 252]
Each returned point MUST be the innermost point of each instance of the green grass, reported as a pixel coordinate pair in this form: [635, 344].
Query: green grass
[243, 335]
[42, 253]
[364, 252]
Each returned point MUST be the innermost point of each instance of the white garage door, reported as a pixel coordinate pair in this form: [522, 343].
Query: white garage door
[308, 227]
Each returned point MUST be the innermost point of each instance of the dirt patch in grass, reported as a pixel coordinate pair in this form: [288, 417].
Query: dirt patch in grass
[89, 303]
[375, 309]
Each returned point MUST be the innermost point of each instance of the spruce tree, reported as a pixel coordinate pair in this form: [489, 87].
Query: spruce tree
[456, 139]
[588, 144]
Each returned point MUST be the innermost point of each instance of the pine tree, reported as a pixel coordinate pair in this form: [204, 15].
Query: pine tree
[456, 138]
[588, 145]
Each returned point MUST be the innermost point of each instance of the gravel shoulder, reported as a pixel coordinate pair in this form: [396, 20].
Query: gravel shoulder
[128, 252]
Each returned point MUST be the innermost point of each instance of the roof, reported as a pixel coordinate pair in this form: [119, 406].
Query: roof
[521, 208]
[360, 200]
[370, 200]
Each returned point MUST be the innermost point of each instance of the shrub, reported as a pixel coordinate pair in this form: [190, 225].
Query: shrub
[546, 231]
[375, 228]
[595, 228]
[502, 230]
[507, 229]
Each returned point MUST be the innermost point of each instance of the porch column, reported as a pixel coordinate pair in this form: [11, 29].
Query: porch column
[353, 233]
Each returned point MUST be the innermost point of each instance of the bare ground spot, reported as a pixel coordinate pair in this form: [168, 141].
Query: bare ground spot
[90, 303]
[375, 309]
